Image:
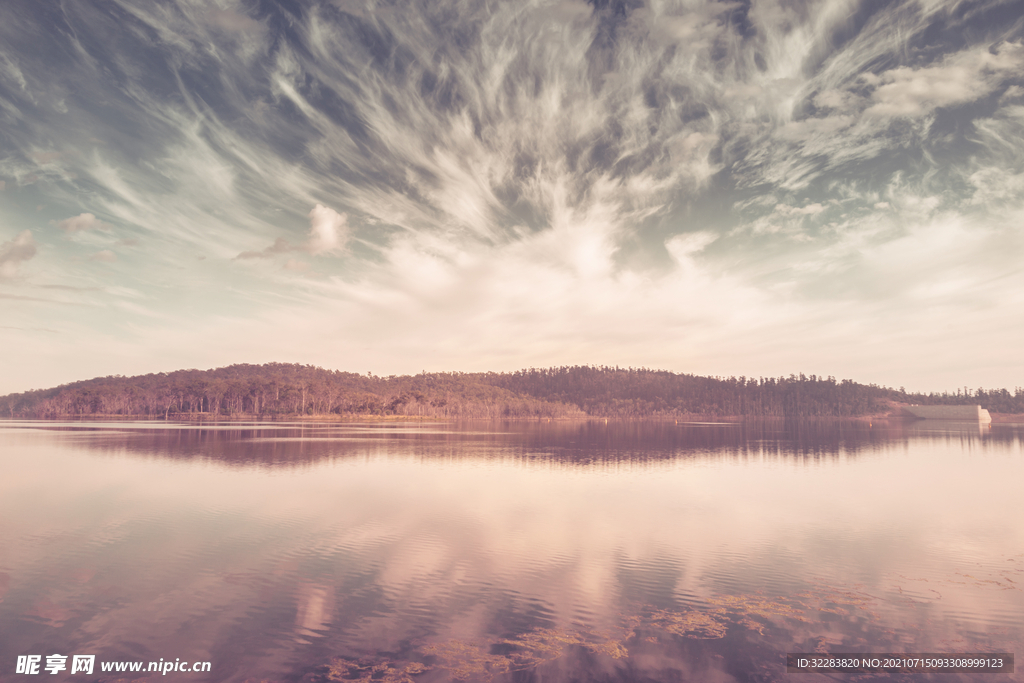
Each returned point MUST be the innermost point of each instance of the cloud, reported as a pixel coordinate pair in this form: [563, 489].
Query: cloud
[683, 247]
[80, 223]
[808, 210]
[538, 178]
[569, 10]
[960, 78]
[783, 220]
[15, 252]
[328, 234]
[3, 185]
[328, 230]
[838, 100]
[1014, 92]
[798, 131]
[280, 246]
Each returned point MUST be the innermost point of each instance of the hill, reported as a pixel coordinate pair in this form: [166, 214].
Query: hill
[279, 389]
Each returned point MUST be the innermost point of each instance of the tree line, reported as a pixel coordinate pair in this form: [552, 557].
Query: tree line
[640, 392]
[279, 389]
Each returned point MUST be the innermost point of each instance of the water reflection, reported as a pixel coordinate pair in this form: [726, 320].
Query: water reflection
[524, 551]
[570, 442]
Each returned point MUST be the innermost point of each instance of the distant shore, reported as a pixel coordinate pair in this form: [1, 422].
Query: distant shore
[282, 391]
[893, 415]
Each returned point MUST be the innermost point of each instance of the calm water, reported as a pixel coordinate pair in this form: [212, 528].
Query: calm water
[507, 552]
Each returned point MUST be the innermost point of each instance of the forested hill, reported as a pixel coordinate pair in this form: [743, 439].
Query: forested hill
[283, 389]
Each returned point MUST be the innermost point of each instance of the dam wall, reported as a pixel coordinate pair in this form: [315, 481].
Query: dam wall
[961, 413]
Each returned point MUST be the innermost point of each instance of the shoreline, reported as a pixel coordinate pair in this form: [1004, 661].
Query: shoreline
[200, 418]
[1007, 418]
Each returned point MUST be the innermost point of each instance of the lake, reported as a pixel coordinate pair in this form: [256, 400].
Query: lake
[551, 551]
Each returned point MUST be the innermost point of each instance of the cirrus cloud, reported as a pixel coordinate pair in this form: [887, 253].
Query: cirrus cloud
[524, 183]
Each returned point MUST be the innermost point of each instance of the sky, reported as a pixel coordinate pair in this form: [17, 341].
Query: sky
[832, 187]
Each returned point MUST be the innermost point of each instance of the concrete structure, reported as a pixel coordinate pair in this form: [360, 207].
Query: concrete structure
[959, 413]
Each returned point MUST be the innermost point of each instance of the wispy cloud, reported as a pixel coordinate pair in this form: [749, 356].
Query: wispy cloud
[700, 185]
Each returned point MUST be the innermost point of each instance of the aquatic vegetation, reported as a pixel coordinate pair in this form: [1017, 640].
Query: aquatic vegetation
[546, 644]
[691, 623]
[341, 669]
[485, 660]
[466, 660]
[480, 661]
[522, 652]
